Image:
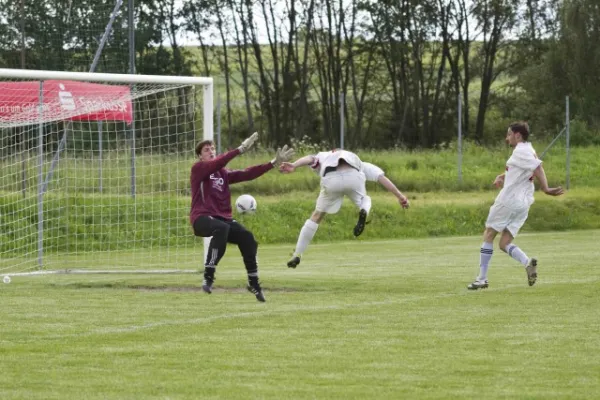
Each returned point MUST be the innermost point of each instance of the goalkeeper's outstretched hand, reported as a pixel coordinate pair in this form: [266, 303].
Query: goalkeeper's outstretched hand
[283, 155]
[248, 143]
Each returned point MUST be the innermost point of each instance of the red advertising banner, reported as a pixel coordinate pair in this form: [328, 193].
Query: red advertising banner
[64, 100]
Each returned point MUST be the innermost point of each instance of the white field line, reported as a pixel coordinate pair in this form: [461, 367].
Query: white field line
[281, 311]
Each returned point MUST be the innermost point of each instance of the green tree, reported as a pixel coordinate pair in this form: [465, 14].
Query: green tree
[568, 66]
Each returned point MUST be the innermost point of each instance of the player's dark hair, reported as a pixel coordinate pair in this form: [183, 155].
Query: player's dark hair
[522, 128]
[201, 145]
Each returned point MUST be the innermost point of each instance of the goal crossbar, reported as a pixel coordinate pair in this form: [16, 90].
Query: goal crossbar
[103, 77]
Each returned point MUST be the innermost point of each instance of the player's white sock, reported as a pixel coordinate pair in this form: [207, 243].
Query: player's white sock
[365, 204]
[515, 252]
[486, 252]
[306, 235]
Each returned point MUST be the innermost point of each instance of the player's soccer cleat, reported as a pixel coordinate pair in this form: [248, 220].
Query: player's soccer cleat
[254, 288]
[478, 285]
[362, 221]
[294, 262]
[531, 270]
[207, 284]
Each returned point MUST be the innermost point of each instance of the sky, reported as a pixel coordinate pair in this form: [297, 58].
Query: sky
[190, 39]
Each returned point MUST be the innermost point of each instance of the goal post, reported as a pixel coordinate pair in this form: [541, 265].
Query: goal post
[80, 190]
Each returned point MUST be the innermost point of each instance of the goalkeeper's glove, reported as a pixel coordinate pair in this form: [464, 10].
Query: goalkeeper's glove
[283, 155]
[248, 143]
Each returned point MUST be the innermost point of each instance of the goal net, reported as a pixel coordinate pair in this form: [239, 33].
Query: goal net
[95, 171]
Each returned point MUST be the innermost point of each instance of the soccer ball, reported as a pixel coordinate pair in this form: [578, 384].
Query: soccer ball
[245, 204]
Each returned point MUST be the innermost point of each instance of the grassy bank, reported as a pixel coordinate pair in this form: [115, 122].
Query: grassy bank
[417, 171]
[79, 219]
[93, 223]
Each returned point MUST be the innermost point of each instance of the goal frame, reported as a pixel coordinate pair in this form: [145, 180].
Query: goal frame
[131, 79]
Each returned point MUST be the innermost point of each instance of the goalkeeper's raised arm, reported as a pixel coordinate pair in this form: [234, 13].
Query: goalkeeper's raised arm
[208, 161]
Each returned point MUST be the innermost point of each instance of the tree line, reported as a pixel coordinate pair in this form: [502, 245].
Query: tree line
[395, 70]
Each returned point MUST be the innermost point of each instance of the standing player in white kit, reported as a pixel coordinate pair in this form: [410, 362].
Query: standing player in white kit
[509, 212]
[342, 174]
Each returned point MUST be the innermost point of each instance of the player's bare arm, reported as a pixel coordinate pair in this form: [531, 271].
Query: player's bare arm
[389, 185]
[287, 167]
[540, 174]
[499, 181]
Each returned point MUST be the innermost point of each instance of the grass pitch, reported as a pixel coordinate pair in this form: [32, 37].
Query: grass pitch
[356, 320]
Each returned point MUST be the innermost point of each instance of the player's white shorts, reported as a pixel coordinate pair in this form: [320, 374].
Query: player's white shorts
[337, 184]
[502, 217]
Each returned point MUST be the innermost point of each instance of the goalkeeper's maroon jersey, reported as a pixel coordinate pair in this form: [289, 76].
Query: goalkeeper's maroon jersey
[210, 182]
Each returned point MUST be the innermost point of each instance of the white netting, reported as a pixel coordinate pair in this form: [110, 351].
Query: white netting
[95, 175]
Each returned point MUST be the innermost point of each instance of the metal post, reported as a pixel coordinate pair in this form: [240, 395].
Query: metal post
[61, 147]
[23, 163]
[40, 195]
[552, 143]
[23, 147]
[131, 27]
[103, 40]
[568, 133]
[342, 121]
[459, 144]
[63, 139]
[105, 35]
[218, 122]
[22, 34]
[131, 31]
[208, 134]
[100, 156]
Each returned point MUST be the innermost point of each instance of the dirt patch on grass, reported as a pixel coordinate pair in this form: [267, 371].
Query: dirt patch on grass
[216, 289]
[148, 288]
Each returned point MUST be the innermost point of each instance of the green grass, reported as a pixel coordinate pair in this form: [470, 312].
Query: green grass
[357, 319]
[412, 171]
[82, 223]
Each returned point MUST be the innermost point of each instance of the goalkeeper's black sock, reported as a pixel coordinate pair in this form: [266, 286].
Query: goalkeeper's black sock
[209, 278]
[209, 272]
[253, 278]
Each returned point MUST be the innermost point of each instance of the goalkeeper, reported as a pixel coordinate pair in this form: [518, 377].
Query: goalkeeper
[342, 174]
[211, 207]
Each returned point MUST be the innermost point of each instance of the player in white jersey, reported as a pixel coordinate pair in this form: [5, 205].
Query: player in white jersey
[342, 174]
[509, 212]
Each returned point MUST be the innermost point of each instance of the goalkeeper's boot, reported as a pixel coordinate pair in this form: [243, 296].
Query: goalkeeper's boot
[478, 285]
[207, 283]
[254, 288]
[360, 224]
[294, 262]
[531, 270]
